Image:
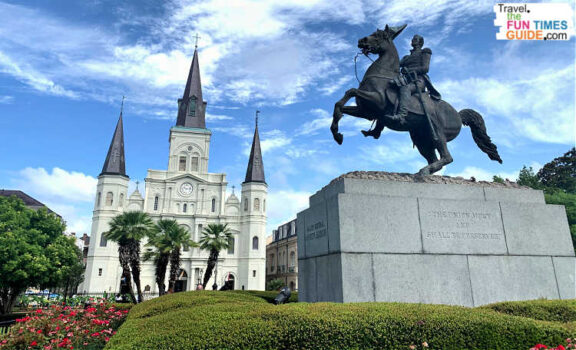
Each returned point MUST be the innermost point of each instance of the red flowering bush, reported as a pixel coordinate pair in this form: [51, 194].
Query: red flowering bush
[571, 344]
[60, 327]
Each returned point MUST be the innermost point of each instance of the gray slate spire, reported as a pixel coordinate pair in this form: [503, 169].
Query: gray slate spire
[115, 163]
[191, 107]
[255, 171]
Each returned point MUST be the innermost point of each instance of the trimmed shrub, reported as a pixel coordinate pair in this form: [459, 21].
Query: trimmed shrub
[545, 310]
[215, 320]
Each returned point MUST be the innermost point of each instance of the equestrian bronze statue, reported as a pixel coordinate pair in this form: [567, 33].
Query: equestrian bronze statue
[400, 96]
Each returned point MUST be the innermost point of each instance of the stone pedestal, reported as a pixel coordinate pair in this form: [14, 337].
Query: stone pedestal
[439, 240]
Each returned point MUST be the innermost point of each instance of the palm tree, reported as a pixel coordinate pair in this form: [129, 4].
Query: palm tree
[168, 238]
[215, 237]
[127, 229]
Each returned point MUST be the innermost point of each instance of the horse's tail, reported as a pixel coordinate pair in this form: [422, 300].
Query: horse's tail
[474, 120]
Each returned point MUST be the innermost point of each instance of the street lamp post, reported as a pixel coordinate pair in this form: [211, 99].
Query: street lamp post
[200, 273]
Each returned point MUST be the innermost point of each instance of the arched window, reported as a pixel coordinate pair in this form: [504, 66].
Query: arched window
[255, 243]
[292, 259]
[256, 204]
[182, 163]
[109, 198]
[245, 204]
[156, 200]
[121, 202]
[213, 205]
[231, 245]
[99, 199]
[194, 165]
[184, 207]
[103, 240]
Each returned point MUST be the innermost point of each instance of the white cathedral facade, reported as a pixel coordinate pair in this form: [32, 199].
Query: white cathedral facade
[188, 193]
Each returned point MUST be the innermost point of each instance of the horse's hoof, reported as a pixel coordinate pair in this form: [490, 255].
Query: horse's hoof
[339, 138]
[375, 134]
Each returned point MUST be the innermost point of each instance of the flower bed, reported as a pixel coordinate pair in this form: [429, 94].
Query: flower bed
[58, 327]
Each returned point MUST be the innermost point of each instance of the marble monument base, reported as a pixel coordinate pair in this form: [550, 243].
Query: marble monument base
[374, 236]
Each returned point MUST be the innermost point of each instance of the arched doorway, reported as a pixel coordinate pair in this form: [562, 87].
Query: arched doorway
[181, 281]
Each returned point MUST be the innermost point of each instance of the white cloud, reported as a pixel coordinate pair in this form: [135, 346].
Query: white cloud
[217, 117]
[71, 194]
[482, 174]
[283, 206]
[58, 185]
[32, 77]
[524, 107]
[6, 99]
[274, 139]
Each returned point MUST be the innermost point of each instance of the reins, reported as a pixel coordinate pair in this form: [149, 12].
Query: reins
[355, 66]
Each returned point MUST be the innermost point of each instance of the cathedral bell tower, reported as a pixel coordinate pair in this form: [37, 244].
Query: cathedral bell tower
[253, 212]
[111, 199]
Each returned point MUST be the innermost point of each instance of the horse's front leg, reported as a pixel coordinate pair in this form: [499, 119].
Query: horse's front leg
[337, 115]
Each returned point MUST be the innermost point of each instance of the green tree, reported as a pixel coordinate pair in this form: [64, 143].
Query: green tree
[275, 284]
[498, 179]
[560, 172]
[127, 229]
[215, 238]
[527, 177]
[167, 238]
[568, 200]
[33, 250]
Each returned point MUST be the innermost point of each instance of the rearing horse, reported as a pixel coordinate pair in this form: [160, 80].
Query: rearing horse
[374, 102]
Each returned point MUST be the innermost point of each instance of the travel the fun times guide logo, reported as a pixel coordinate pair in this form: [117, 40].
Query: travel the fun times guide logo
[543, 21]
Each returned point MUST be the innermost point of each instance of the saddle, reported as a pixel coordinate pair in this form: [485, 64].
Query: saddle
[414, 105]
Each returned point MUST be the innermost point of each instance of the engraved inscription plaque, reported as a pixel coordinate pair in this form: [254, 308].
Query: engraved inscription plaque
[461, 227]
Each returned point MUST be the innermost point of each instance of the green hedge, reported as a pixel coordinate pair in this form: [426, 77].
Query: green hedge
[219, 320]
[546, 310]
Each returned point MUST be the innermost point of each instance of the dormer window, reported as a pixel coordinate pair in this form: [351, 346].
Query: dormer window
[192, 106]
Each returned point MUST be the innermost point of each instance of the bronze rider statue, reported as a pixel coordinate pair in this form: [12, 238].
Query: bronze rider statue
[413, 75]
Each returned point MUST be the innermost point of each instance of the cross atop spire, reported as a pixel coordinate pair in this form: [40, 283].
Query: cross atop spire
[115, 163]
[191, 107]
[122, 106]
[257, 113]
[196, 42]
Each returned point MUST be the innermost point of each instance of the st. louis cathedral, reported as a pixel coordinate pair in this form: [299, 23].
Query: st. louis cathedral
[187, 192]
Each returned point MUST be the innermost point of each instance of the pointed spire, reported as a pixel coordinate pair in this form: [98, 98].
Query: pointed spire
[115, 162]
[255, 171]
[191, 107]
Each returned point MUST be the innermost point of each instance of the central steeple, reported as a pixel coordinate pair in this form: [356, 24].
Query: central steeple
[191, 107]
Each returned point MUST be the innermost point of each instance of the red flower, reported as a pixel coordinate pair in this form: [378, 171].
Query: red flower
[540, 346]
[39, 311]
[561, 347]
[39, 331]
[34, 343]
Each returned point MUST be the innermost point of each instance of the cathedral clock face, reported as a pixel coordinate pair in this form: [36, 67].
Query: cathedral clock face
[186, 189]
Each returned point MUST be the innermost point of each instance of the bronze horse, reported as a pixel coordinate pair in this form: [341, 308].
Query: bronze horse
[375, 101]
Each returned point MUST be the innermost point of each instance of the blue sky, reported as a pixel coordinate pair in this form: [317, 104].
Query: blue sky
[64, 66]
